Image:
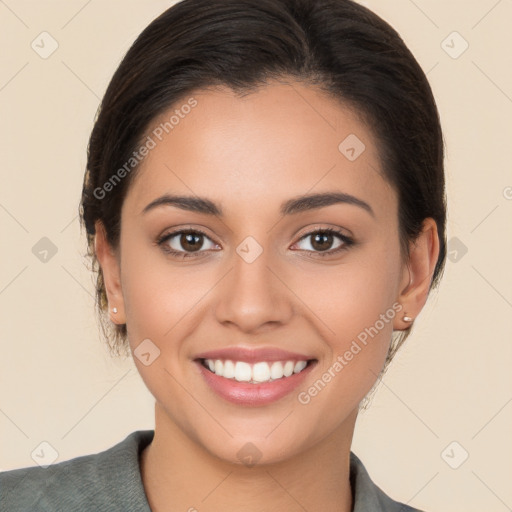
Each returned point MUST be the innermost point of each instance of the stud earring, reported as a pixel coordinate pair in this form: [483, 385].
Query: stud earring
[114, 310]
[407, 318]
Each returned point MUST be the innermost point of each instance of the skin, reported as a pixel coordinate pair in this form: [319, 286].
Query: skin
[249, 154]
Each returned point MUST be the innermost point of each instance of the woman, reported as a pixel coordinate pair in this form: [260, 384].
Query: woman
[264, 206]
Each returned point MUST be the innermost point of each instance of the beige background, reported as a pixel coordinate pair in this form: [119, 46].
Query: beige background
[452, 380]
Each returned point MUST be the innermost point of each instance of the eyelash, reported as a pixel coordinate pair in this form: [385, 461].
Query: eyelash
[347, 242]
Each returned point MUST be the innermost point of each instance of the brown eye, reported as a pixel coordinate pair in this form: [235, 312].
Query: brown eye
[324, 242]
[185, 243]
[191, 241]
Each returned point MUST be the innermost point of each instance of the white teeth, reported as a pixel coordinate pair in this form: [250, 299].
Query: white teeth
[288, 368]
[242, 371]
[258, 372]
[299, 366]
[261, 372]
[276, 370]
[229, 369]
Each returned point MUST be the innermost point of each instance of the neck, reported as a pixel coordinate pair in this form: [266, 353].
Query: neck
[180, 474]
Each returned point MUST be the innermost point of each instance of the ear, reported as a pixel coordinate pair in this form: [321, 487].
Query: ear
[417, 277]
[110, 267]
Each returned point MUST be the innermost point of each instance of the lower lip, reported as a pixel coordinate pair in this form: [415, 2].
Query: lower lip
[244, 393]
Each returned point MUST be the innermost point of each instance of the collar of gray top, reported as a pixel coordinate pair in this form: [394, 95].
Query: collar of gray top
[111, 480]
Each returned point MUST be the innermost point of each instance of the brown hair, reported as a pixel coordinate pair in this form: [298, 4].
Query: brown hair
[339, 45]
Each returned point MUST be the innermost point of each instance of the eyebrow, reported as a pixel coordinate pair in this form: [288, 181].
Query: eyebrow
[289, 207]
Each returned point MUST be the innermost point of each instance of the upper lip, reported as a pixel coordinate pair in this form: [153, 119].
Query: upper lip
[253, 355]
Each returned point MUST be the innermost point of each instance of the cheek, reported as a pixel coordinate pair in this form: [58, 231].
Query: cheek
[357, 326]
[352, 305]
[350, 296]
[160, 296]
[160, 300]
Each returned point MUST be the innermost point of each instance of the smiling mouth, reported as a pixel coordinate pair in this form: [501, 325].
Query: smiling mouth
[257, 373]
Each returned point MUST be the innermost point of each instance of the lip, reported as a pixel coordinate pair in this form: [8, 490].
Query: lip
[253, 355]
[253, 395]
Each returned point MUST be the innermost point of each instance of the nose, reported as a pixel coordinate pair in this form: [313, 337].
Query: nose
[253, 296]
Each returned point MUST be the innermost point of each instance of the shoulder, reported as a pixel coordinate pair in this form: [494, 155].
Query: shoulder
[368, 497]
[108, 480]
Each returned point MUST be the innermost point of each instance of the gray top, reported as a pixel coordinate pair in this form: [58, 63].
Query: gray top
[111, 481]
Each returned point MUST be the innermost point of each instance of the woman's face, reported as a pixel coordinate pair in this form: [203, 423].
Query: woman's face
[261, 274]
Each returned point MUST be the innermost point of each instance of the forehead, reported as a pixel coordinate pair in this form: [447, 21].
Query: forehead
[280, 141]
